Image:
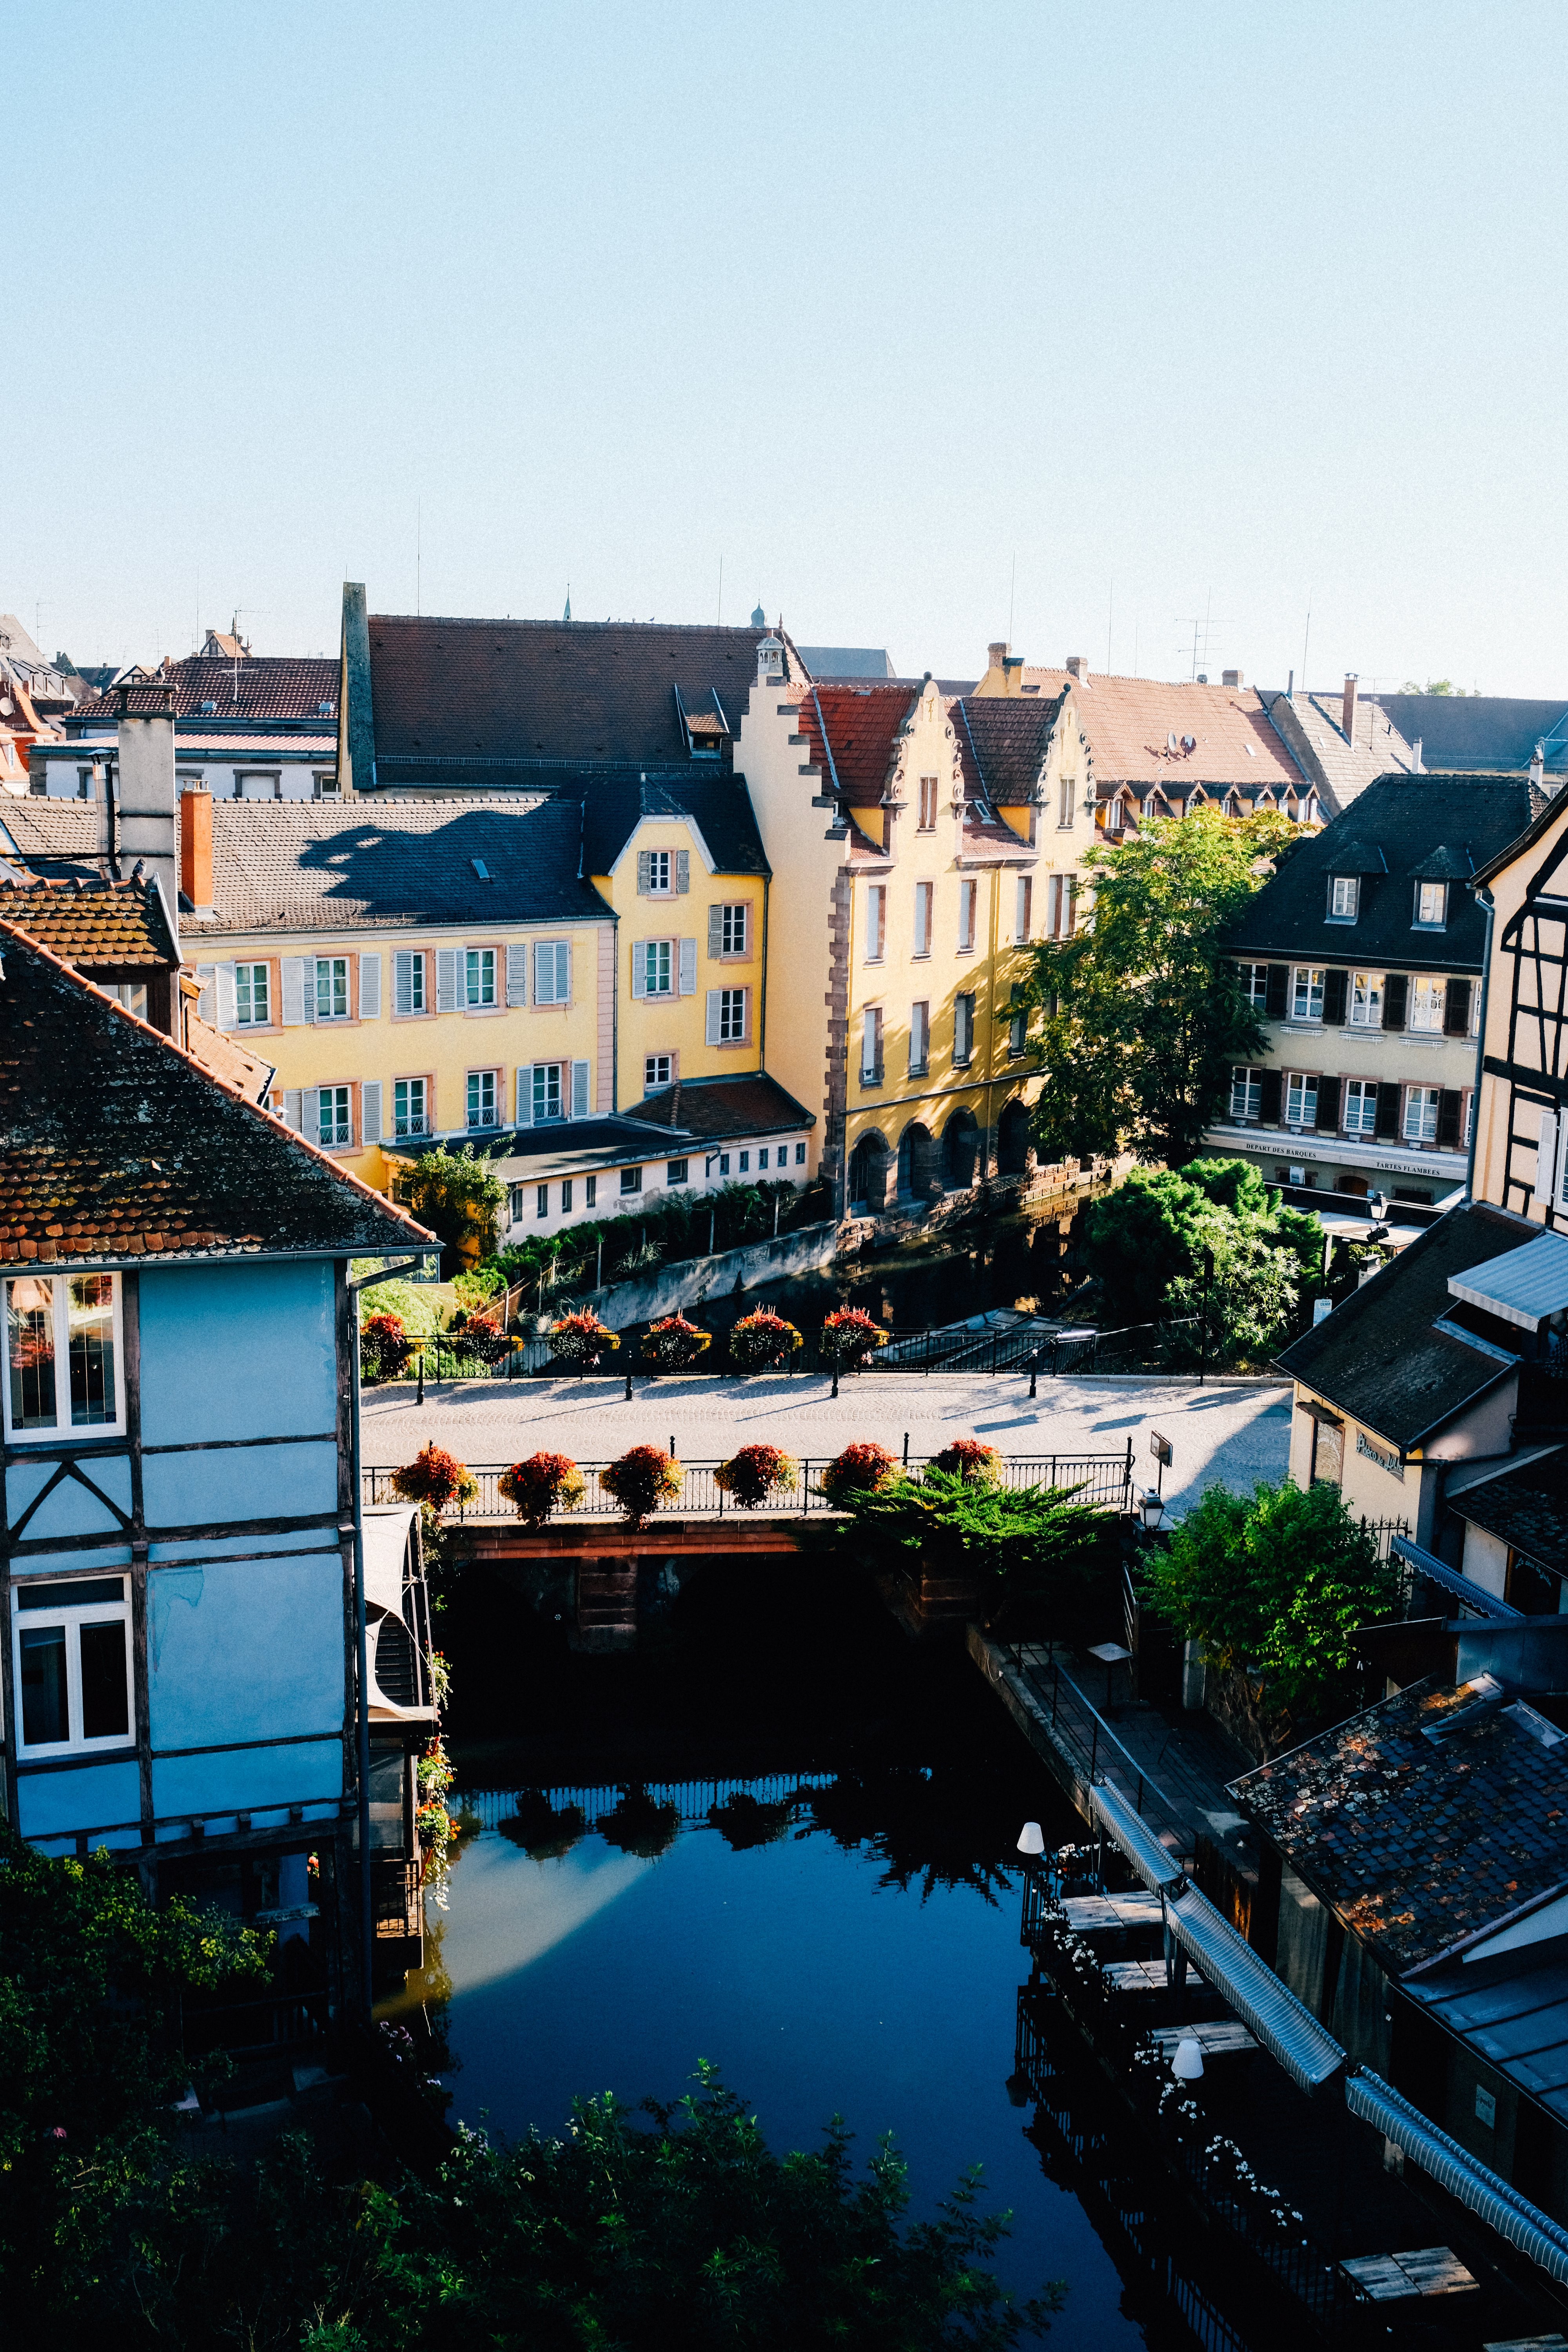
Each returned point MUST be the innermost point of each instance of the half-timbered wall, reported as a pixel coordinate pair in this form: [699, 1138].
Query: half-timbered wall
[1524, 1061]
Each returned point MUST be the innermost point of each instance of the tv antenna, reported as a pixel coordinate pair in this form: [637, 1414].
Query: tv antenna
[1203, 626]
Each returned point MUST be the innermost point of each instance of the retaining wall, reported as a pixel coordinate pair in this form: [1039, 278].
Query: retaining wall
[671, 1287]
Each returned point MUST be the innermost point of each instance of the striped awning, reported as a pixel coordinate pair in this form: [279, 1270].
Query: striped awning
[1284, 2026]
[1451, 1579]
[1513, 2217]
[1155, 1863]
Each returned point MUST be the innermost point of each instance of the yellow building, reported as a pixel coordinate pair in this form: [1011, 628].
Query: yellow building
[902, 898]
[412, 971]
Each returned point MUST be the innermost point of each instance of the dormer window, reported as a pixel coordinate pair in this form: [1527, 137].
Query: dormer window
[1431, 906]
[1344, 897]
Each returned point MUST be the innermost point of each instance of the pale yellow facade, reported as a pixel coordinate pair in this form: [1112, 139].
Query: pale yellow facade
[689, 986]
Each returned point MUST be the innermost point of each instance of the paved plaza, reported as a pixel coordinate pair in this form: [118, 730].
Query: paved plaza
[1234, 1432]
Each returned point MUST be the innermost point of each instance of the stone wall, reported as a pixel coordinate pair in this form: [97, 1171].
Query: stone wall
[671, 1287]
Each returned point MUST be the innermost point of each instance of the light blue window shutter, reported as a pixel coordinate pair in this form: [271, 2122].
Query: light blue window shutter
[293, 1108]
[644, 873]
[369, 1109]
[564, 972]
[402, 980]
[310, 1114]
[227, 1012]
[370, 988]
[688, 967]
[206, 1000]
[297, 1006]
[715, 930]
[525, 1094]
[579, 1089]
[517, 972]
[445, 979]
[712, 1031]
[683, 869]
[640, 968]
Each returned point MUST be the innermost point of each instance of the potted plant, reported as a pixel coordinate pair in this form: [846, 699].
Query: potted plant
[967, 1458]
[436, 1478]
[641, 1480]
[675, 1343]
[384, 1347]
[480, 1335]
[580, 1338]
[860, 1468]
[545, 1483]
[751, 1474]
[761, 1340]
[849, 1335]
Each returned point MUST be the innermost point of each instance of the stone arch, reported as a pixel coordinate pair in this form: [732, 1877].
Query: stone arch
[961, 1151]
[870, 1170]
[1013, 1151]
[920, 1174]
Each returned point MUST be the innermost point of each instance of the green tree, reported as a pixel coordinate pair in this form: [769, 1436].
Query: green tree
[1144, 1245]
[1030, 1545]
[1273, 1588]
[1137, 1019]
[458, 1196]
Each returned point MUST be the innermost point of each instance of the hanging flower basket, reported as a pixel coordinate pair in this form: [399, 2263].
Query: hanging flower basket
[437, 1478]
[480, 1335]
[850, 1335]
[761, 1340]
[859, 1469]
[751, 1474]
[544, 1484]
[580, 1339]
[976, 1464]
[641, 1480]
[384, 1347]
[675, 1343]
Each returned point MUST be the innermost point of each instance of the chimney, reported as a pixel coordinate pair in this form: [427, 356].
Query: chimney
[1538, 765]
[1077, 665]
[1232, 677]
[1347, 718]
[144, 789]
[196, 849]
[996, 655]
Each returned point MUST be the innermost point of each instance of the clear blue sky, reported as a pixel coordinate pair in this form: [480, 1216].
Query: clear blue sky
[1206, 309]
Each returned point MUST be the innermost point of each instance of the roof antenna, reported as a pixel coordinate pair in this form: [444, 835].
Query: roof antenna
[567, 616]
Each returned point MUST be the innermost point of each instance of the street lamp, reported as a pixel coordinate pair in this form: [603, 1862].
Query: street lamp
[1030, 1839]
[1153, 1507]
[1187, 2065]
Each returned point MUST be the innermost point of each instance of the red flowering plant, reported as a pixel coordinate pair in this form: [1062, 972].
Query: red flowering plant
[641, 1480]
[480, 1335]
[861, 1468]
[580, 1339]
[761, 1340]
[384, 1347]
[545, 1483]
[674, 1343]
[967, 1458]
[849, 1335]
[751, 1474]
[436, 1478]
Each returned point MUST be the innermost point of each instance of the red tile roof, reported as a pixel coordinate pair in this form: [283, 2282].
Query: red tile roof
[266, 686]
[93, 926]
[116, 1144]
[1129, 721]
[853, 733]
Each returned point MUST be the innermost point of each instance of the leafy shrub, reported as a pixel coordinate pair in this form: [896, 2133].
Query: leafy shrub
[861, 1468]
[967, 1458]
[543, 1484]
[849, 1335]
[675, 1343]
[643, 1479]
[580, 1339]
[1033, 1544]
[385, 1347]
[458, 1196]
[750, 1474]
[760, 1339]
[437, 1478]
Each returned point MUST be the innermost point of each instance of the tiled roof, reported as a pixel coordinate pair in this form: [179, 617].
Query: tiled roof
[546, 690]
[715, 799]
[1416, 1842]
[226, 1060]
[1313, 729]
[1390, 836]
[103, 924]
[853, 734]
[264, 686]
[57, 835]
[1002, 740]
[1481, 730]
[1526, 1508]
[314, 866]
[1514, 2016]
[115, 1144]
[713, 1109]
[1379, 1358]
[1127, 723]
[190, 745]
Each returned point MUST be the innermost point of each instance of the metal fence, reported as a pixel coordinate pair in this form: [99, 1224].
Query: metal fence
[1101, 1478]
[1082, 1733]
[693, 1801]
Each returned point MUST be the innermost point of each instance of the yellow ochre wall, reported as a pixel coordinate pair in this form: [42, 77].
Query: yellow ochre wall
[677, 1024]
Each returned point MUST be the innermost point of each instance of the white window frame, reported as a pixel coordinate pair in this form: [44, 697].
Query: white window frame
[1306, 992]
[732, 1023]
[63, 1425]
[335, 1142]
[1245, 1091]
[929, 794]
[1255, 984]
[1344, 897]
[475, 1080]
[925, 918]
[410, 1121]
[478, 970]
[1421, 1108]
[1301, 1089]
[72, 1617]
[1366, 995]
[652, 1075]
[733, 920]
[539, 1091]
[1438, 920]
[244, 995]
[1358, 1113]
[330, 965]
[1427, 1005]
[418, 985]
[631, 1180]
[660, 874]
[968, 899]
[658, 969]
[876, 922]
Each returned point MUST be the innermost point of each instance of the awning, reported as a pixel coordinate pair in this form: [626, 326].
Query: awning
[1286, 2029]
[1156, 1866]
[1462, 2174]
[386, 1529]
[1465, 1588]
[1522, 1286]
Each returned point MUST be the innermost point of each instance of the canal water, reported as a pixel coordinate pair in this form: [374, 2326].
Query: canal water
[783, 1841]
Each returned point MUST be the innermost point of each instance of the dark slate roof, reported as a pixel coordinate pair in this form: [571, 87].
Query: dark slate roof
[1389, 836]
[1486, 731]
[1379, 1358]
[715, 799]
[98, 926]
[1514, 2014]
[1416, 1842]
[1002, 740]
[553, 692]
[1526, 1507]
[115, 1145]
[319, 864]
[263, 687]
[710, 1110]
